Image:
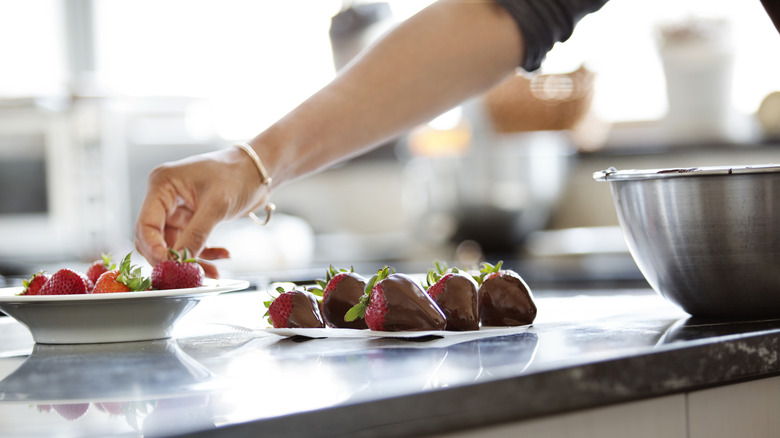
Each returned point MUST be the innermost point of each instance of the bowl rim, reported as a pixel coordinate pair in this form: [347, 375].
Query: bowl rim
[613, 174]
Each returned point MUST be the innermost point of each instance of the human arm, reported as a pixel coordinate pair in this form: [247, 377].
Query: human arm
[448, 52]
[431, 62]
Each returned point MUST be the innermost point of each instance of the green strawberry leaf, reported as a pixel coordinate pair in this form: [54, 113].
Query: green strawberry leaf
[358, 310]
[371, 283]
[124, 265]
[486, 270]
[107, 262]
[186, 257]
[132, 276]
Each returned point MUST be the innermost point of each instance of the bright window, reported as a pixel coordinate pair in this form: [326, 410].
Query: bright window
[32, 50]
[255, 60]
[618, 43]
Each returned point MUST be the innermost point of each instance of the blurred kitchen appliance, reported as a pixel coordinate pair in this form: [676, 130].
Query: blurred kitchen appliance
[495, 191]
[494, 175]
[40, 204]
[355, 26]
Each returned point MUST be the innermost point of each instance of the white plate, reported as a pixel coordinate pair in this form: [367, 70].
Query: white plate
[113, 317]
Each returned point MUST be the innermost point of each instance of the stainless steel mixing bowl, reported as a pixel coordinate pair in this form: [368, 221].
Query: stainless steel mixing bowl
[707, 239]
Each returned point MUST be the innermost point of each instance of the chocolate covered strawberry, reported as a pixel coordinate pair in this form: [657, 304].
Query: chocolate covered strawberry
[126, 278]
[341, 290]
[33, 285]
[294, 309]
[395, 302]
[66, 282]
[179, 272]
[455, 292]
[504, 298]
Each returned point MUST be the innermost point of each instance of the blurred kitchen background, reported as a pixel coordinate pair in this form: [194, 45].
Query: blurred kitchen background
[96, 93]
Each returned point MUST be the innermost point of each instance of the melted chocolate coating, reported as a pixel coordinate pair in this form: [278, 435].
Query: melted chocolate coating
[458, 301]
[506, 300]
[305, 311]
[409, 307]
[343, 297]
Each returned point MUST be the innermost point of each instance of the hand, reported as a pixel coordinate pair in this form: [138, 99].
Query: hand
[186, 199]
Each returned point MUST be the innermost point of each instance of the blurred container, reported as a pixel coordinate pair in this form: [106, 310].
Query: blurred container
[698, 62]
[546, 102]
[768, 115]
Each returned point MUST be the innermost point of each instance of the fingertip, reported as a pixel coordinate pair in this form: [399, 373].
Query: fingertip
[214, 253]
[209, 270]
[197, 231]
[193, 239]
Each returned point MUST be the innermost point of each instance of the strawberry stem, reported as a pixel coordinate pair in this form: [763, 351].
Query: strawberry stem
[486, 270]
[359, 309]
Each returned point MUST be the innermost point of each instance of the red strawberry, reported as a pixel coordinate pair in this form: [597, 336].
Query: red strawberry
[33, 285]
[124, 279]
[180, 272]
[341, 290]
[394, 302]
[294, 309]
[455, 292]
[504, 298]
[98, 267]
[108, 283]
[66, 282]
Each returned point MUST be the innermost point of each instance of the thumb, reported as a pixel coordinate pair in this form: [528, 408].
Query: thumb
[197, 231]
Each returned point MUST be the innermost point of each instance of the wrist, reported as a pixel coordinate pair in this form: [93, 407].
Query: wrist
[265, 181]
[278, 154]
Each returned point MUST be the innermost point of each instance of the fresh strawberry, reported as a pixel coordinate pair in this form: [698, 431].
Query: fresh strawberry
[125, 279]
[179, 272]
[394, 302]
[108, 283]
[33, 285]
[504, 298]
[294, 309]
[455, 292]
[98, 267]
[66, 282]
[340, 291]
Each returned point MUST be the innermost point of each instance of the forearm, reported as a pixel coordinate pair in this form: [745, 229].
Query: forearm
[408, 77]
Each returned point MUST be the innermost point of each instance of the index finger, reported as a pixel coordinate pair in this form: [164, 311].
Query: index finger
[197, 231]
[149, 234]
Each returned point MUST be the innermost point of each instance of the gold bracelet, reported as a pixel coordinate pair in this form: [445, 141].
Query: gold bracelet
[264, 180]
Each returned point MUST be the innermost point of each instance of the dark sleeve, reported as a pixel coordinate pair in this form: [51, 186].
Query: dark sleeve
[546, 22]
[773, 10]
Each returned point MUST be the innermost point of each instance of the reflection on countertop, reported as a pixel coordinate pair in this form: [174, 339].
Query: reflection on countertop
[223, 374]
